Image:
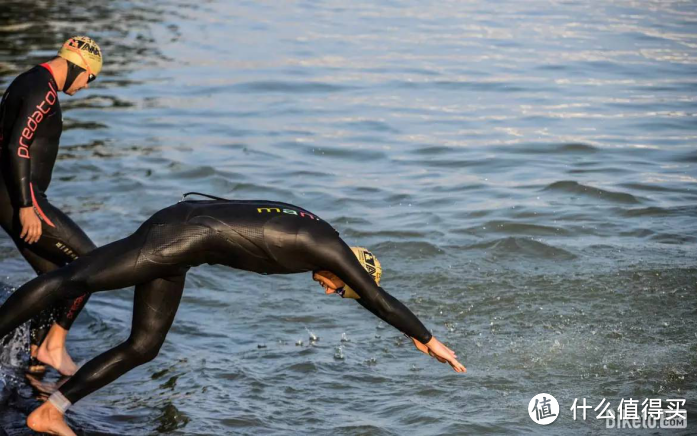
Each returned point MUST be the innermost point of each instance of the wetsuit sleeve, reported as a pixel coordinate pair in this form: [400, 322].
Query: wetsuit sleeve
[373, 297]
[32, 109]
[392, 311]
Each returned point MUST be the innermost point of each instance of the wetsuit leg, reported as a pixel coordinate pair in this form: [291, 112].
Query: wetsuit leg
[9, 220]
[154, 307]
[61, 242]
[113, 266]
[41, 323]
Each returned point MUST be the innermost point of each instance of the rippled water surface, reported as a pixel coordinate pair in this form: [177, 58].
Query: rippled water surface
[525, 171]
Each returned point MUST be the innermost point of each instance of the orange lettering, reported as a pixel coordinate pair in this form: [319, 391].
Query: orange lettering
[39, 116]
[51, 93]
[41, 106]
[30, 120]
[34, 120]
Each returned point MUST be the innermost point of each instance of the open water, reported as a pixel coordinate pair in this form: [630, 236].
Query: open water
[525, 171]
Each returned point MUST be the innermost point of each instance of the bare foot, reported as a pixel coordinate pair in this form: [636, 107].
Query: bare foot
[53, 352]
[57, 358]
[47, 419]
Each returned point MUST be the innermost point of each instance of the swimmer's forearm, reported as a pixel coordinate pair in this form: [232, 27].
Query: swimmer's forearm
[399, 316]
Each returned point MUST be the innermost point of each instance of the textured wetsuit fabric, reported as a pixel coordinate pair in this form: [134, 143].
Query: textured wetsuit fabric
[30, 130]
[260, 236]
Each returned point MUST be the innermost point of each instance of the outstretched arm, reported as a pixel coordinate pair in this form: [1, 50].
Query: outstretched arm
[374, 298]
[433, 347]
[338, 258]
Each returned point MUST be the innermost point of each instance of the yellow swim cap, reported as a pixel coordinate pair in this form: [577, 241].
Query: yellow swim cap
[83, 52]
[370, 264]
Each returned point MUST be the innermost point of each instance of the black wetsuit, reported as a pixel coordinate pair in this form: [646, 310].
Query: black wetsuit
[261, 236]
[30, 129]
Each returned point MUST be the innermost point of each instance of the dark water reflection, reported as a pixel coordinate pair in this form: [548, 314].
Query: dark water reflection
[31, 31]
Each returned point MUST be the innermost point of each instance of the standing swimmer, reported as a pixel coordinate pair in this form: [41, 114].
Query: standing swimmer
[266, 237]
[30, 128]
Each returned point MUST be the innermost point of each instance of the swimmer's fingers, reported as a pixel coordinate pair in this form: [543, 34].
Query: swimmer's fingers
[35, 233]
[441, 350]
[457, 366]
[31, 225]
[440, 359]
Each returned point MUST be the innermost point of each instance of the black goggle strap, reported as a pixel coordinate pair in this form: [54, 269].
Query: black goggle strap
[213, 197]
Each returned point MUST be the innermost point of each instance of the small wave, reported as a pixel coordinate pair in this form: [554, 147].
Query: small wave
[387, 234]
[303, 368]
[97, 101]
[411, 249]
[670, 238]
[653, 187]
[70, 124]
[351, 220]
[470, 186]
[456, 85]
[356, 154]
[289, 87]
[551, 148]
[370, 125]
[602, 170]
[515, 246]
[576, 148]
[182, 172]
[658, 211]
[637, 233]
[589, 191]
[509, 227]
[689, 157]
[433, 150]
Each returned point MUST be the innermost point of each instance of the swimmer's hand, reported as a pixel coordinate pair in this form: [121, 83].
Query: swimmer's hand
[440, 352]
[31, 225]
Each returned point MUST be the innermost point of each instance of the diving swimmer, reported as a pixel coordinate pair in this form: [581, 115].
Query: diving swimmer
[30, 128]
[265, 237]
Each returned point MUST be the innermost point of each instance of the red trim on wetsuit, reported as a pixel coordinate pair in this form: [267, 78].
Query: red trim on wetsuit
[38, 209]
[48, 67]
[75, 307]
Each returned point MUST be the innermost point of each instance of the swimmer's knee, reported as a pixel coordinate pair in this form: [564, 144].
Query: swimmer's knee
[55, 283]
[141, 352]
[65, 284]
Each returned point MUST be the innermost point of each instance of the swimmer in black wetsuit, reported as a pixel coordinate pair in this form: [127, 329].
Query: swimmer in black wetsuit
[30, 129]
[260, 236]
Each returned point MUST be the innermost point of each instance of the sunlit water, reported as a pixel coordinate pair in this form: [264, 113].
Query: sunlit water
[525, 171]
